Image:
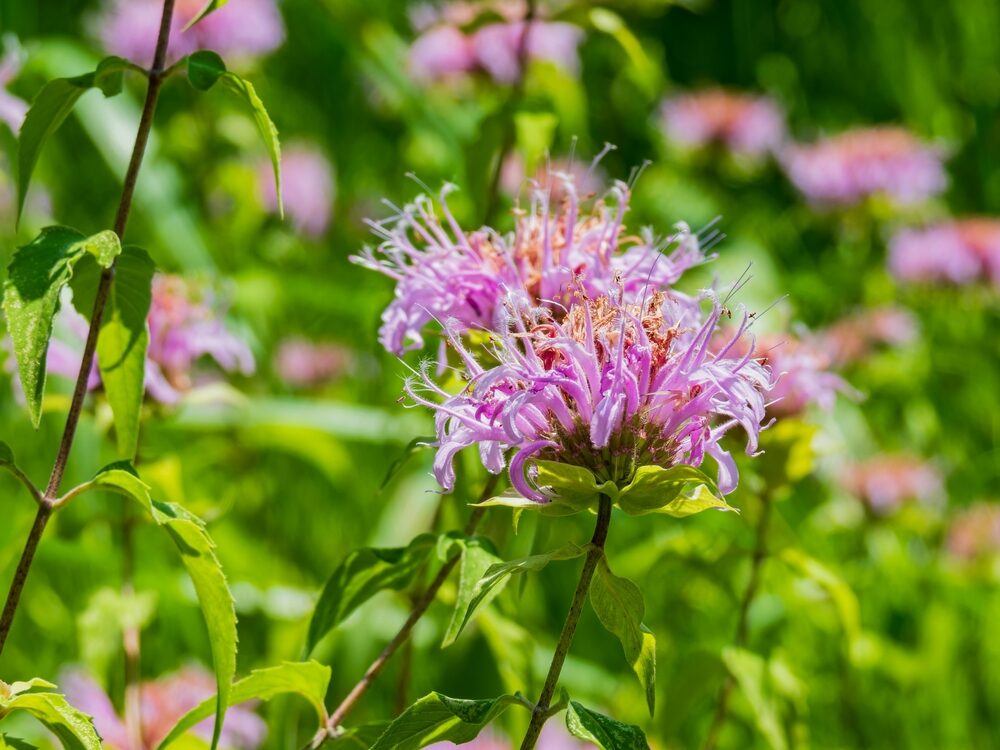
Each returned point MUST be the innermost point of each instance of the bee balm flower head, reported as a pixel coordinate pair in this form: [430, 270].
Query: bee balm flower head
[747, 125]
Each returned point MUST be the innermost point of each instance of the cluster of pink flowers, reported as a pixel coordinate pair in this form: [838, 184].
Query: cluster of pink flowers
[308, 189]
[443, 273]
[747, 125]
[163, 703]
[885, 482]
[444, 50]
[12, 108]
[303, 363]
[975, 532]
[182, 330]
[244, 29]
[853, 337]
[858, 164]
[956, 252]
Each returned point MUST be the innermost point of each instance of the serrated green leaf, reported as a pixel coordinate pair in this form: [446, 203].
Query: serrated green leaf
[478, 555]
[308, 679]
[204, 69]
[74, 728]
[658, 489]
[438, 718]
[751, 674]
[361, 575]
[602, 730]
[496, 577]
[197, 552]
[210, 7]
[619, 606]
[36, 275]
[124, 337]
[13, 743]
[245, 90]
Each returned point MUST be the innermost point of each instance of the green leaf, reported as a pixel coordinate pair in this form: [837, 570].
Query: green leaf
[496, 577]
[602, 730]
[478, 555]
[13, 743]
[571, 485]
[751, 673]
[619, 606]
[676, 491]
[204, 69]
[415, 446]
[210, 7]
[844, 599]
[361, 575]
[74, 728]
[197, 552]
[308, 679]
[123, 339]
[6, 454]
[438, 718]
[358, 738]
[50, 108]
[245, 90]
[37, 273]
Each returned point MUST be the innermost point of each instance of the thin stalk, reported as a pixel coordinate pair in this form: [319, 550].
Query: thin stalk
[131, 632]
[493, 196]
[420, 606]
[595, 551]
[46, 505]
[743, 622]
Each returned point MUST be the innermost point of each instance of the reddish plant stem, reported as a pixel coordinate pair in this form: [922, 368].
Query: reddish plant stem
[595, 551]
[46, 507]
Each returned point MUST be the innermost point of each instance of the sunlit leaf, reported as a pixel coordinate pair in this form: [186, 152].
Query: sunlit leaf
[844, 599]
[197, 551]
[658, 489]
[74, 728]
[361, 575]
[438, 718]
[307, 679]
[619, 606]
[210, 7]
[496, 577]
[478, 555]
[245, 90]
[602, 730]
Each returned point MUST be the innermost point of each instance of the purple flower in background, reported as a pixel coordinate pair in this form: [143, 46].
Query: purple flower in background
[307, 188]
[497, 47]
[975, 532]
[610, 386]
[885, 482]
[244, 29]
[745, 124]
[304, 363]
[853, 337]
[956, 252]
[441, 52]
[164, 702]
[12, 109]
[443, 273]
[881, 161]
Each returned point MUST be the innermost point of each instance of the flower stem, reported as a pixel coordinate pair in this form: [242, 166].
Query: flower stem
[743, 622]
[595, 552]
[420, 606]
[46, 504]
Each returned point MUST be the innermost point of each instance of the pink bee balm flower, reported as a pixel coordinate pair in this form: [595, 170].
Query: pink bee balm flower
[302, 363]
[249, 28]
[610, 387]
[884, 483]
[441, 52]
[957, 252]
[975, 532]
[853, 337]
[848, 168]
[164, 702]
[745, 124]
[444, 273]
[584, 177]
[12, 108]
[497, 47]
[307, 188]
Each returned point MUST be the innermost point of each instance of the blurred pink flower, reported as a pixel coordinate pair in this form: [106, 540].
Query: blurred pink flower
[548, 177]
[182, 330]
[307, 188]
[958, 252]
[853, 337]
[244, 29]
[12, 108]
[303, 363]
[975, 532]
[441, 52]
[847, 168]
[164, 701]
[885, 482]
[747, 125]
